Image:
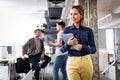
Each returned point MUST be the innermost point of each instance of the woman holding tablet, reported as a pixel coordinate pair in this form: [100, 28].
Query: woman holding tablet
[79, 63]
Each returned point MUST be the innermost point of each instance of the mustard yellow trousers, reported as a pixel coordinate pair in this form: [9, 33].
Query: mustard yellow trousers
[79, 68]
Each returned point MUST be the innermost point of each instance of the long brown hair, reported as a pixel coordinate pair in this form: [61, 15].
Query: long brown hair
[81, 11]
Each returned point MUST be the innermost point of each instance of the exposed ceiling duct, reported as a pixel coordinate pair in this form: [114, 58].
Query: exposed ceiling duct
[53, 15]
[109, 21]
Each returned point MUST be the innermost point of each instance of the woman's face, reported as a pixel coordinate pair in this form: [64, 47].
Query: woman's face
[75, 16]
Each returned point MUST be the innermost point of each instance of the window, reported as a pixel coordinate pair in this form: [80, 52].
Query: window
[110, 40]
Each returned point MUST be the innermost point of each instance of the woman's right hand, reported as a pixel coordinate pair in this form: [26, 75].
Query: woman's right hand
[72, 41]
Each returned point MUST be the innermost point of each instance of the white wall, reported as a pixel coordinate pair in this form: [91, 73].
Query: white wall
[16, 28]
[102, 39]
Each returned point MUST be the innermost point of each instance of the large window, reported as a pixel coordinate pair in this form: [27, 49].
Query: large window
[110, 40]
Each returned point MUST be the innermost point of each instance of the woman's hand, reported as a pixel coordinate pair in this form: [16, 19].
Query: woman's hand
[77, 47]
[72, 41]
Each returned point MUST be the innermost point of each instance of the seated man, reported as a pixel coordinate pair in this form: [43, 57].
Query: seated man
[35, 48]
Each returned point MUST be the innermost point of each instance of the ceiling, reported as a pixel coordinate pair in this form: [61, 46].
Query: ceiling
[107, 6]
[51, 10]
[37, 12]
[30, 8]
[23, 6]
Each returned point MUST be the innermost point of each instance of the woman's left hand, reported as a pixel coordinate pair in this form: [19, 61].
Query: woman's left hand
[77, 47]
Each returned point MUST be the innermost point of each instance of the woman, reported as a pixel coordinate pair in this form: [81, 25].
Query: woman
[79, 64]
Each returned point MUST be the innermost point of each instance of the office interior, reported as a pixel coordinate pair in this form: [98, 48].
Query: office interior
[19, 18]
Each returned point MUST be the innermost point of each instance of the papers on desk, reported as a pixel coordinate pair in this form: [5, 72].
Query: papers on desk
[65, 37]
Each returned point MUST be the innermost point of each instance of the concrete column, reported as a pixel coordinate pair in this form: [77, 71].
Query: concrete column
[66, 11]
[90, 7]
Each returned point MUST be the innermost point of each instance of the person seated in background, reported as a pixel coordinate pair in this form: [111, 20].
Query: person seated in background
[36, 52]
[60, 59]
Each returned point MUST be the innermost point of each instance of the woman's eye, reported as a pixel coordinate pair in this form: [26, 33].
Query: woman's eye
[75, 14]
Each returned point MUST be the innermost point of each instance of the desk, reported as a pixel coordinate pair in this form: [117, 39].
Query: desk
[10, 63]
[4, 73]
[5, 62]
[10, 59]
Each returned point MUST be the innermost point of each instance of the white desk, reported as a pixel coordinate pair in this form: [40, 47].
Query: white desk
[9, 59]
[8, 63]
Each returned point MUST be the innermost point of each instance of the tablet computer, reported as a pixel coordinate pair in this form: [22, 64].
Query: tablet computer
[65, 37]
